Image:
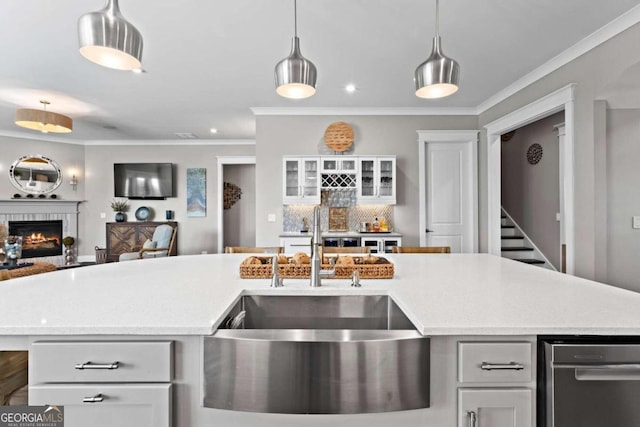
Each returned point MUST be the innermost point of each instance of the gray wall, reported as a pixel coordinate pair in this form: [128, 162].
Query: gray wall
[194, 234]
[70, 158]
[240, 219]
[277, 136]
[592, 72]
[623, 201]
[531, 193]
[93, 166]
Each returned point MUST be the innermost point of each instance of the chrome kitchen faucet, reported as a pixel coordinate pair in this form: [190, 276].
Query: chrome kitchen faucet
[316, 253]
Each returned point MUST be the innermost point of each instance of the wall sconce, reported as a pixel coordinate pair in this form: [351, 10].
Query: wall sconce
[74, 182]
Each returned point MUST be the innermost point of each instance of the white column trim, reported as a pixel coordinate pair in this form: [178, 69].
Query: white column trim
[227, 160]
[562, 99]
[427, 136]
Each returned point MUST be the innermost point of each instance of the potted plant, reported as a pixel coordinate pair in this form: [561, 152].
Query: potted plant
[119, 206]
[68, 242]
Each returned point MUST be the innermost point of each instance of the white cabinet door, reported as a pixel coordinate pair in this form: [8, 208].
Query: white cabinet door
[301, 180]
[377, 180]
[499, 407]
[130, 405]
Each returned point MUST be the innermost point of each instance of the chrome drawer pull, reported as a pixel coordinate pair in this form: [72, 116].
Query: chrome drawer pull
[501, 366]
[472, 418]
[91, 365]
[93, 399]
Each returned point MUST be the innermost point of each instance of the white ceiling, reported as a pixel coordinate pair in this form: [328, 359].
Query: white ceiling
[208, 62]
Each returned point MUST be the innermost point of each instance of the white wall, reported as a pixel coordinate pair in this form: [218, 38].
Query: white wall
[240, 219]
[277, 136]
[531, 193]
[592, 73]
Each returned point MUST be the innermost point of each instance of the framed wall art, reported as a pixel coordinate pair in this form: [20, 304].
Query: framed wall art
[196, 192]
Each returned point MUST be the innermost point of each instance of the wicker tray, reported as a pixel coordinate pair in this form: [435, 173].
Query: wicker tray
[383, 269]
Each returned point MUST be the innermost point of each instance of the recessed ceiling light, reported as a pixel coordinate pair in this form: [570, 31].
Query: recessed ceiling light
[214, 130]
[350, 88]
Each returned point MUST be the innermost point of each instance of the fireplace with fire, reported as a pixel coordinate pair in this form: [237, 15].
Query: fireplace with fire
[39, 238]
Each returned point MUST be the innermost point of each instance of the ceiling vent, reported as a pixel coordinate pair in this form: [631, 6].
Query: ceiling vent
[185, 135]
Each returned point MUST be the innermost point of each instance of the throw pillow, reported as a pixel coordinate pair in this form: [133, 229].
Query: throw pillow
[149, 244]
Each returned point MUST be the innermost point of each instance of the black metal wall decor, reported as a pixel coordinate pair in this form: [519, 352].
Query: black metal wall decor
[534, 153]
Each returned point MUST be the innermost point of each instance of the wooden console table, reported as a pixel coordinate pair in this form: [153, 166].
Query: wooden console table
[129, 236]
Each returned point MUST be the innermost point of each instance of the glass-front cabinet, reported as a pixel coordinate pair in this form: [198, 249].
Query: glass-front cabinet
[339, 164]
[377, 184]
[301, 180]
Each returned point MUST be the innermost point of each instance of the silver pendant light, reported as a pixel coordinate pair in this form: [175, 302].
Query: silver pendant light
[295, 75]
[438, 76]
[108, 39]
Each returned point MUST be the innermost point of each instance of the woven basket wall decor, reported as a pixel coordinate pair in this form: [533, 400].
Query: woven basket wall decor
[534, 154]
[339, 136]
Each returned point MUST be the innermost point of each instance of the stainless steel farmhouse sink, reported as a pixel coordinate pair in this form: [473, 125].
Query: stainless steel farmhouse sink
[316, 355]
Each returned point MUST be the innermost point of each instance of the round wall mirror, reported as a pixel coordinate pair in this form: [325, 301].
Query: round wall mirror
[35, 174]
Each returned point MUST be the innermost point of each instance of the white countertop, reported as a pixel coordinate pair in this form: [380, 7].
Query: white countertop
[188, 295]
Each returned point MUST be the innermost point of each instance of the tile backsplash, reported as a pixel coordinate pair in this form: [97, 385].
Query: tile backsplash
[293, 214]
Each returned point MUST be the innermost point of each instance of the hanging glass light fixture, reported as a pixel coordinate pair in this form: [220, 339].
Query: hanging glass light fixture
[108, 39]
[43, 120]
[295, 75]
[439, 75]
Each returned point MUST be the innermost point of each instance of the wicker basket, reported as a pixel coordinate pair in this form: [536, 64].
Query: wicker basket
[381, 270]
[101, 255]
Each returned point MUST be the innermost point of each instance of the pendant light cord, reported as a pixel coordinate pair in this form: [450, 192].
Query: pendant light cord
[437, 17]
[295, 18]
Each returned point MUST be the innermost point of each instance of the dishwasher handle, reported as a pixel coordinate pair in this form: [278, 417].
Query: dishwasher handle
[594, 366]
[603, 371]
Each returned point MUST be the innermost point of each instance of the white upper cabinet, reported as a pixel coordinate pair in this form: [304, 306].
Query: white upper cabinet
[372, 177]
[301, 180]
[377, 180]
[339, 172]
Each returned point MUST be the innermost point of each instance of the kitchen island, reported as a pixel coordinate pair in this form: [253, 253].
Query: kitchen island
[458, 300]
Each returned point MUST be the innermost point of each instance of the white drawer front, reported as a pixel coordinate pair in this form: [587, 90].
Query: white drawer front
[135, 405]
[58, 361]
[494, 362]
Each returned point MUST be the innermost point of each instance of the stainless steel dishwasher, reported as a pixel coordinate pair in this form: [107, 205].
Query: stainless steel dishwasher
[590, 383]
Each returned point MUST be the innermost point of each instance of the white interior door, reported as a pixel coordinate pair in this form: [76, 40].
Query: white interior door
[450, 192]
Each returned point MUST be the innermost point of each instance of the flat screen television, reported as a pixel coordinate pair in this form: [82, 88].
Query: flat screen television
[143, 180]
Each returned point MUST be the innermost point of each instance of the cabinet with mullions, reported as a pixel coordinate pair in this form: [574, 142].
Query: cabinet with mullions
[301, 180]
[377, 180]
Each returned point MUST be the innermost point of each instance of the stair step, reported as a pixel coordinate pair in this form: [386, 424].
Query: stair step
[515, 248]
[512, 237]
[529, 260]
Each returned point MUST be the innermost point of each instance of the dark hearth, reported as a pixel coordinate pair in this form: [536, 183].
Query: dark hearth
[39, 238]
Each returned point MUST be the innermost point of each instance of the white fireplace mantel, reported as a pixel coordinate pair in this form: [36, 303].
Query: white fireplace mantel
[43, 210]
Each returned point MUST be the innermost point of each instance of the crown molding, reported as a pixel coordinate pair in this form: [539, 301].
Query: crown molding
[39, 136]
[610, 30]
[132, 142]
[181, 142]
[364, 111]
